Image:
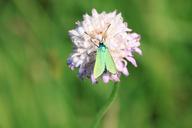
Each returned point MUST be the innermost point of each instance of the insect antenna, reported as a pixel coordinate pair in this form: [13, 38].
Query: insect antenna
[92, 38]
[104, 34]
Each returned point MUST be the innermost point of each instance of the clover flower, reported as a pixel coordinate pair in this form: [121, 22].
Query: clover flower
[118, 39]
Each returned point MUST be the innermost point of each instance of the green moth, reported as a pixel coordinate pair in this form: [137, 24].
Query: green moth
[104, 61]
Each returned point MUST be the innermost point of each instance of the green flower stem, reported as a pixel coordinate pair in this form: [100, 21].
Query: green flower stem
[107, 105]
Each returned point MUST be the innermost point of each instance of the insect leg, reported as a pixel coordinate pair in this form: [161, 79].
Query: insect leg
[94, 43]
[92, 38]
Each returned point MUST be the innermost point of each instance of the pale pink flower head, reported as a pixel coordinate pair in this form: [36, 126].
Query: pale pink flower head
[119, 39]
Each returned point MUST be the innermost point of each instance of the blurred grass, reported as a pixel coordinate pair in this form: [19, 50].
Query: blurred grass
[38, 90]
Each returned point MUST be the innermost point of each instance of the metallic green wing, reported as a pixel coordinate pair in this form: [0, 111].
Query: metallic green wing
[109, 63]
[99, 67]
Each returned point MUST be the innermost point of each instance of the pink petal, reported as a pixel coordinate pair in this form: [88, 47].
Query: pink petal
[120, 66]
[135, 36]
[138, 50]
[132, 60]
[106, 78]
[94, 81]
[125, 71]
[115, 77]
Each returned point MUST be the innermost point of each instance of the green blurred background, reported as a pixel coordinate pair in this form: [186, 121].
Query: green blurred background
[38, 90]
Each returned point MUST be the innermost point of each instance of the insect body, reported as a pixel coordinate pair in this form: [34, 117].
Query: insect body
[104, 61]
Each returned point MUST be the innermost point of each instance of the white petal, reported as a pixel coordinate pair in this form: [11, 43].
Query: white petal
[81, 30]
[94, 13]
